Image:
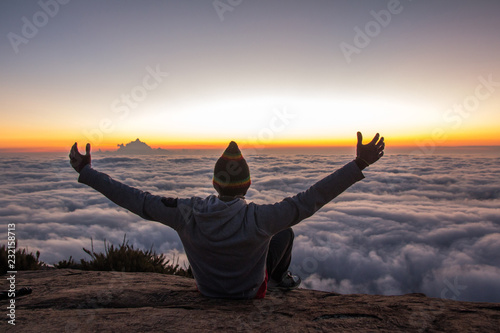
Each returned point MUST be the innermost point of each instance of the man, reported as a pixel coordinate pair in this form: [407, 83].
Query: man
[233, 247]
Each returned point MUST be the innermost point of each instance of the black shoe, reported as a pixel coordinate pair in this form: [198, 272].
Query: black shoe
[288, 282]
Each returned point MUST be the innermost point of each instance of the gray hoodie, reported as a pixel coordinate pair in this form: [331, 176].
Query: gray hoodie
[226, 243]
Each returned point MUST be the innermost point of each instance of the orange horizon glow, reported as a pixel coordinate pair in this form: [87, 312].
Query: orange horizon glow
[63, 145]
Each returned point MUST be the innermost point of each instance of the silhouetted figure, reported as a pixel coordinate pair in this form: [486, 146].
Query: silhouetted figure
[233, 247]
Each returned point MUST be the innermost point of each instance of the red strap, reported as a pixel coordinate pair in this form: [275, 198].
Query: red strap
[263, 288]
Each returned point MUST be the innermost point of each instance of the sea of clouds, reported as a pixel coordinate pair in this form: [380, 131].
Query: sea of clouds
[425, 223]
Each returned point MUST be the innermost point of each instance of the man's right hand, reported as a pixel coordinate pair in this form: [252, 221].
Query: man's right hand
[77, 160]
[371, 152]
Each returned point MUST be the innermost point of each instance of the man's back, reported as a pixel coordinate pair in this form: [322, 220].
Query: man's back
[226, 248]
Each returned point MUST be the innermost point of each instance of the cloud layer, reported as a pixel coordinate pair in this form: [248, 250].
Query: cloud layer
[426, 223]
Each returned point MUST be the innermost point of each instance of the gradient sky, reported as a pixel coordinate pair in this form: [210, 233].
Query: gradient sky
[260, 72]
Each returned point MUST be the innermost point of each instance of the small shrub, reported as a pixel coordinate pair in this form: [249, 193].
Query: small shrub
[24, 260]
[125, 258]
[68, 264]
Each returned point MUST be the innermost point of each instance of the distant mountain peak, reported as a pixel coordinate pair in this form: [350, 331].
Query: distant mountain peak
[134, 145]
[137, 147]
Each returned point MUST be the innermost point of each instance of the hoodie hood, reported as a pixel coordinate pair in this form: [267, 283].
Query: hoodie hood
[219, 220]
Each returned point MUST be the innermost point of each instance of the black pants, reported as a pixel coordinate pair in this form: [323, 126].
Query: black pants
[279, 255]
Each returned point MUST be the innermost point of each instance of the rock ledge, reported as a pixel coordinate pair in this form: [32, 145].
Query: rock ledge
[81, 301]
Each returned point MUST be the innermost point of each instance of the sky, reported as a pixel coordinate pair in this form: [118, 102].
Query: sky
[180, 74]
[416, 223]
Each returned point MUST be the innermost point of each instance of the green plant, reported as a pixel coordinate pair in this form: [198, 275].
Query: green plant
[24, 260]
[68, 264]
[126, 259]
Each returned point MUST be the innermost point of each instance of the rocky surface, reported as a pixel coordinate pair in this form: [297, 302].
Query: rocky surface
[80, 301]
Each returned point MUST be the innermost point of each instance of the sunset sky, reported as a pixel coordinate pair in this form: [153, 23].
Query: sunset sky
[267, 73]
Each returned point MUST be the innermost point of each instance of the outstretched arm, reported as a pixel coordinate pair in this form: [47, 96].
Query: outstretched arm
[144, 204]
[291, 211]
